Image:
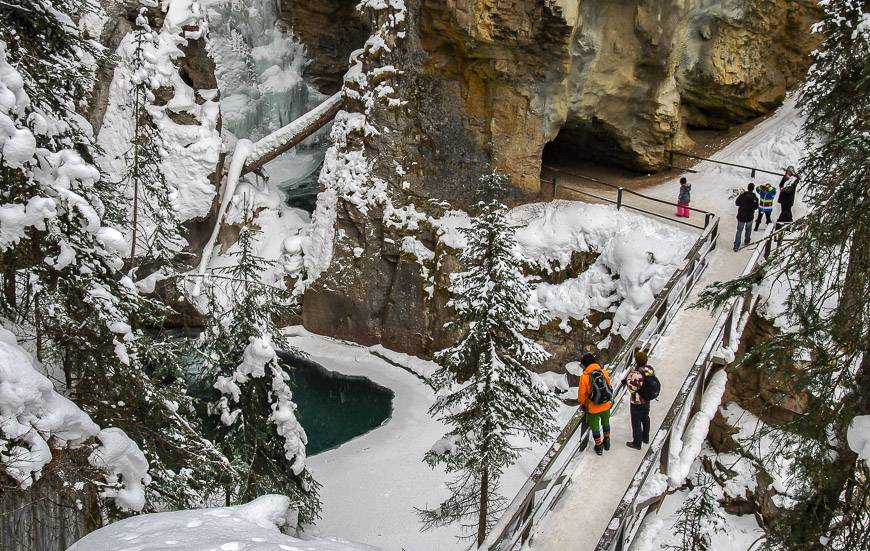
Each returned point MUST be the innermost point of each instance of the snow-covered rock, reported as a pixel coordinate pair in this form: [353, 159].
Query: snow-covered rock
[254, 526]
[641, 251]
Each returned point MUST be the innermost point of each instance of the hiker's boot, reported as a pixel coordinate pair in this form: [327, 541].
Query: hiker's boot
[599, 449]
[607, 443]
[633, 445]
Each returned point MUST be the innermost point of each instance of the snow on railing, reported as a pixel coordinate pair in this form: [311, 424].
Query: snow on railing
[549, 477]
[673, 446]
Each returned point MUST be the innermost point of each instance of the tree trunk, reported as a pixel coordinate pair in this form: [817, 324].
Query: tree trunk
[484, 503]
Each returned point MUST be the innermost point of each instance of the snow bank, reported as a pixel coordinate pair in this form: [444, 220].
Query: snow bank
[418, 366]
[34, 420]
[642, 252]
[33, 417]
[254, 526]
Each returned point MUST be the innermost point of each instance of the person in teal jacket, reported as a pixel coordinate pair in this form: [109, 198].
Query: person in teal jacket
[766, 194]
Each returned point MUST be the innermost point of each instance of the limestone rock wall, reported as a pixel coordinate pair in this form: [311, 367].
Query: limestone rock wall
[741, 57]
[331, 30]
[495, 80]
[466, 86]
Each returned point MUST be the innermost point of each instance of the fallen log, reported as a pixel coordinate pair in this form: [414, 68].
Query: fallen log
[287, 137]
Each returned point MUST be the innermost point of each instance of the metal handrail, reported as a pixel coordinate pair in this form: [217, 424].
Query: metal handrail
[620, 203]
[621, 529]
[671, 154]
[618, 188]
[517, 519]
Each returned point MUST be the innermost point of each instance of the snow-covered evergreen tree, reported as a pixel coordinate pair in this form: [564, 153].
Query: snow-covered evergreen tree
[487, 395]
[156, 230]
[826, 268]
[698, 518]
[254, 417]
[65, 293]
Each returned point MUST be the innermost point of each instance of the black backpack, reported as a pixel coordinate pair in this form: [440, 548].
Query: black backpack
[600, 392]
[651, 387]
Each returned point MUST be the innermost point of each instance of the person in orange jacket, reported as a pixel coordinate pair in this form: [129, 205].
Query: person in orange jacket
[595, 392]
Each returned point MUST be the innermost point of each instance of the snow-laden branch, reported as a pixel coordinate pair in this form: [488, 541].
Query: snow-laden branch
[240, 155]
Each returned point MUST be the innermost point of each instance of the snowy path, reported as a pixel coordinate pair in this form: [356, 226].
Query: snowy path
[597, 483]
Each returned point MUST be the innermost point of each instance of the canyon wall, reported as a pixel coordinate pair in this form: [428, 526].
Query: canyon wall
[460, 87]
[619, 82]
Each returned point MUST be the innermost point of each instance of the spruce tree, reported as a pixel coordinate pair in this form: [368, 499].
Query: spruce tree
[253, 415]
[156, 230]
[698, 518]
[487, 395]
[826, 267]
[65, 292]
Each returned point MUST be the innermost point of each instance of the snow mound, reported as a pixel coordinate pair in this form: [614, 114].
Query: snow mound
[254, 526]
[32, 415]
[643, 253]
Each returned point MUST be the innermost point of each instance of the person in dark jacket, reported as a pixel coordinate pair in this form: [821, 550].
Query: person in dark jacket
[684, 198]
[639, 407]
[747, 203]
[787, 189]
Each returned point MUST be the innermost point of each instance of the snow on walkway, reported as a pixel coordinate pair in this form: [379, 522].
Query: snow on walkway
[597, 483]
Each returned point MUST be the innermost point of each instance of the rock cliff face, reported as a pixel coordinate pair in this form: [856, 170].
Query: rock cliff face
[459, 87]
[741, 57]
[495, 81]
[331, 30]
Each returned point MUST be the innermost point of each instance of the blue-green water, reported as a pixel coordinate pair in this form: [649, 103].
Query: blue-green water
[334, 408]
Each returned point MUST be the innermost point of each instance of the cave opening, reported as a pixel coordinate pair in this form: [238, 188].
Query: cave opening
[591, 143]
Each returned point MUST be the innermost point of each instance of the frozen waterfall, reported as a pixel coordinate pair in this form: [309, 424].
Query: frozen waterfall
[259, 67]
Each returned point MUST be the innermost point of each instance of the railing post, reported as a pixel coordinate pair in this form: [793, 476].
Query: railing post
[707, 217]
[555, 186]
[753, 173]
[618, 198]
